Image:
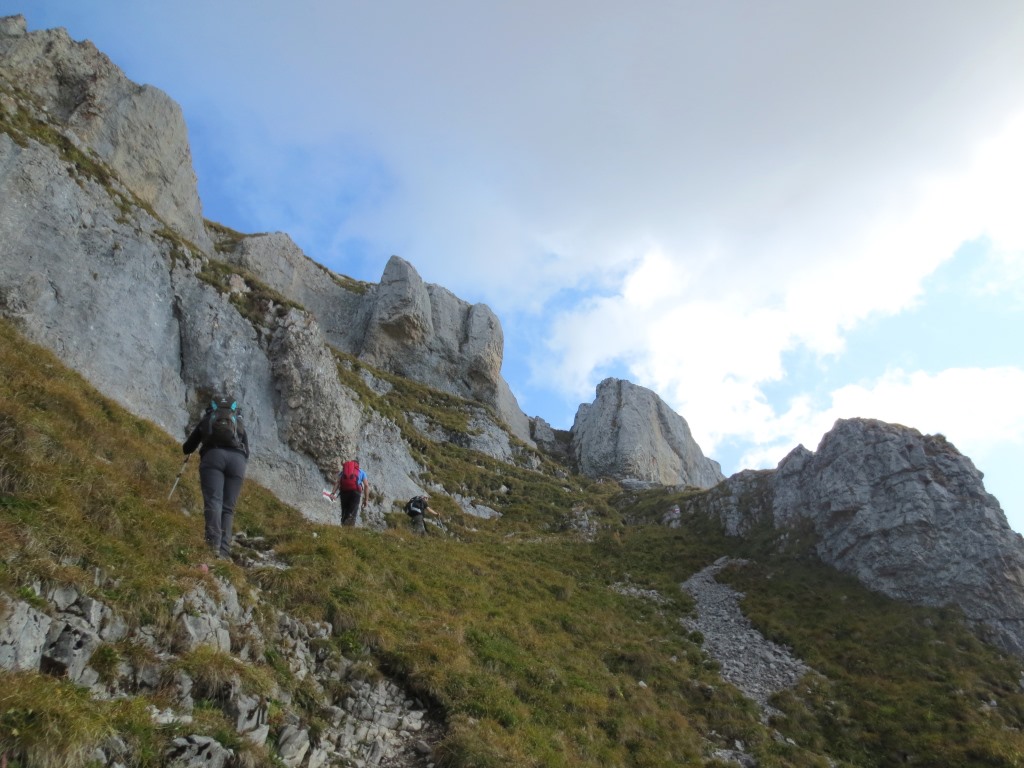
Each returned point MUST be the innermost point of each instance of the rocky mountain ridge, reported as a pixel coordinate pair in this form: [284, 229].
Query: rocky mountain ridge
[100, 203]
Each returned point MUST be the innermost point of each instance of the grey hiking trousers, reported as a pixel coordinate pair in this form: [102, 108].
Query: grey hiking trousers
[221, 473]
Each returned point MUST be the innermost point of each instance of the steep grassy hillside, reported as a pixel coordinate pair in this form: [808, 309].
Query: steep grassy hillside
[510, 628]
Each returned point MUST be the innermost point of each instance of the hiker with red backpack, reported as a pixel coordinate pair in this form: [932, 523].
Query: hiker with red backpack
[224, 453]
[350, 487]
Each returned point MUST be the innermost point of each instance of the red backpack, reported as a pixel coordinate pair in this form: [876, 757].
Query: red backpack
[349, 477]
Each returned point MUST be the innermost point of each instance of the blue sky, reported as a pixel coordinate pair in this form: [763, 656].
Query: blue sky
[772, 214]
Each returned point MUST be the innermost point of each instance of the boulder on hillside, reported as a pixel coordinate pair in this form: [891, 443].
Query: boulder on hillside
[630, 434]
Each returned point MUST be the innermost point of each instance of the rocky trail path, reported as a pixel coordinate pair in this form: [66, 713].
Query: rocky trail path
[757, 666]
[748, 660]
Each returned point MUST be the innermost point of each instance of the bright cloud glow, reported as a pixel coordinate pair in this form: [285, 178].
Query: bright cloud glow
[974, 408]
[709, 352]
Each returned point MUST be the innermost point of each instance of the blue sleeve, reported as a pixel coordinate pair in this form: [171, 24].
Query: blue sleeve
[362, 477]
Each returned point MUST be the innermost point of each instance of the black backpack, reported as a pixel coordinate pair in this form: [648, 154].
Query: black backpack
[417, 505]
[224, 423]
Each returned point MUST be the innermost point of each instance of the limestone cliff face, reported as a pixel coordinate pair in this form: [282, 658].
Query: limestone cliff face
[629, 433]
[905, 513]
[137, 130]
[90, 280]
[106, 260]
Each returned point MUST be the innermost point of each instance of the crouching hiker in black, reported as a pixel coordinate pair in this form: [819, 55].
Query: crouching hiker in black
[224, 448]
[415, 509]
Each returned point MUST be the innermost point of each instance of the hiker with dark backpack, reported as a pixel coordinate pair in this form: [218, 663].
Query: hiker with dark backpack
[415, 508]
[224, 454]
[349, 488]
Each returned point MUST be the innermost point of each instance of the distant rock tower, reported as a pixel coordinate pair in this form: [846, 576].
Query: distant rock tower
[630, 434]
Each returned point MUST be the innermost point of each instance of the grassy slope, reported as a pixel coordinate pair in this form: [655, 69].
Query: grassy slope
[508, 627]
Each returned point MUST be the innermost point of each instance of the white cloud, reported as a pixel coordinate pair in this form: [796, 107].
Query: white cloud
[536, 147]
[972, 407]
[709, 345]
[977, 409]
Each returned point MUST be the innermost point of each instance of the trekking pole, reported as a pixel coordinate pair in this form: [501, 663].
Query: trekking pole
[187, 457]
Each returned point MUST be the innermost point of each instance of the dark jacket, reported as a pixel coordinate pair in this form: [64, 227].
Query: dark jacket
[198, 437]
[417, 505]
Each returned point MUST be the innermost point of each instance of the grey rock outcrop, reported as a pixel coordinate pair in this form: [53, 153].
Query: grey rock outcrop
[23, 632]
[137, 130]
[630, 434]
[908, 515]
[371, 721]
[425, 332]
[306, 375]
[905, 513]
[403, 324]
